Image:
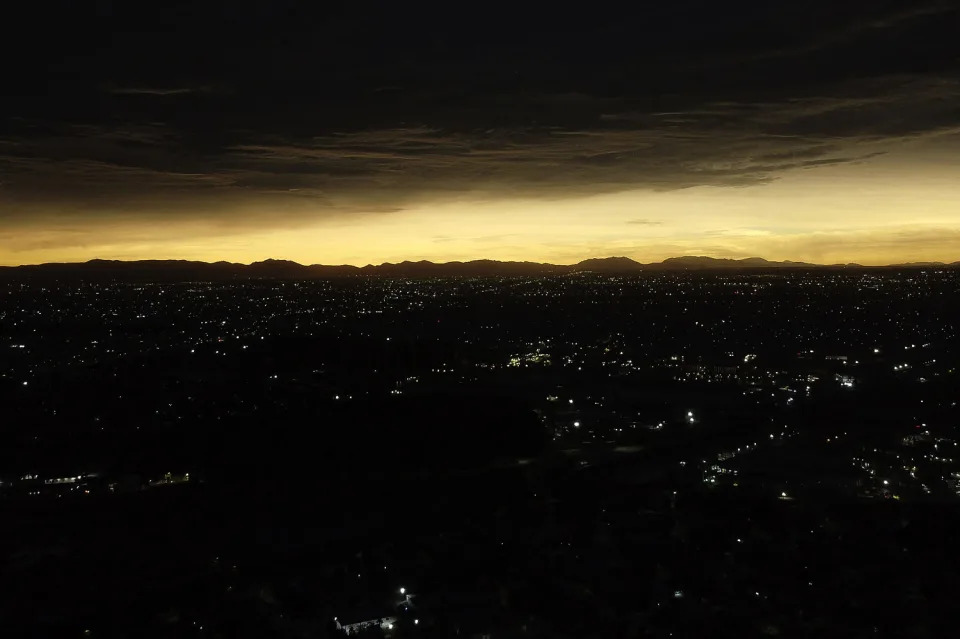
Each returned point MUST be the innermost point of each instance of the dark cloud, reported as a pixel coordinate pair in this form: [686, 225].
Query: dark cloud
[715, 144]
[153, 91]
[854, 24]
[339, 112]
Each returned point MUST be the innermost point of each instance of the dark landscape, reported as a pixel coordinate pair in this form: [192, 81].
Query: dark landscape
[549, 456]
[480, 320]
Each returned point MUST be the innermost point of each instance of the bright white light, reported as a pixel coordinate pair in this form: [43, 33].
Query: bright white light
[576, 424]
[886, 483]
[416, 621]
[689, 413]
[783, 494]
[571, 401]
[403, 591]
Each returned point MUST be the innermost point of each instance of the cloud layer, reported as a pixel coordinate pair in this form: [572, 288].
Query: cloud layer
[250, 137]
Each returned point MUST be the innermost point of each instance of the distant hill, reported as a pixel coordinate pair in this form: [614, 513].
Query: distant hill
[921, 264]
[711, 263]
[608, 265]
[471, 268]
[186, 270]
[139, 270]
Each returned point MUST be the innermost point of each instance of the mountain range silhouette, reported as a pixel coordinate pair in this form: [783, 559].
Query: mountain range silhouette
[186, 270]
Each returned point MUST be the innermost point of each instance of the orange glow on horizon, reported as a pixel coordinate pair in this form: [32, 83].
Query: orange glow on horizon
[875, 213]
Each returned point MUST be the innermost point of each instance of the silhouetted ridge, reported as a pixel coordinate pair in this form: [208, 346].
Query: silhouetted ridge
[609, 265]
[187, 270]
[702, 262]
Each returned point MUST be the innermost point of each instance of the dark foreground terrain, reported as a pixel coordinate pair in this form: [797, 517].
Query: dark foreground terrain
[686, 455]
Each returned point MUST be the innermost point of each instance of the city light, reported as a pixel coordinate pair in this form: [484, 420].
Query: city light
[458, 222]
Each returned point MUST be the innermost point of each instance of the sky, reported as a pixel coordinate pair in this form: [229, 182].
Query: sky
[373, 132]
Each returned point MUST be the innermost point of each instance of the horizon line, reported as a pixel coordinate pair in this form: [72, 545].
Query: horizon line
[799, 263]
